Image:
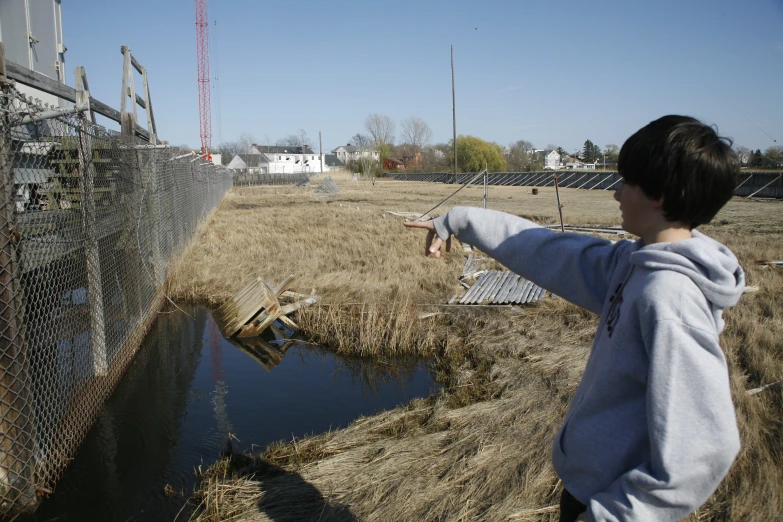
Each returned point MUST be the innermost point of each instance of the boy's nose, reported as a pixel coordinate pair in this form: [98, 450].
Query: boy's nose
[617, 194]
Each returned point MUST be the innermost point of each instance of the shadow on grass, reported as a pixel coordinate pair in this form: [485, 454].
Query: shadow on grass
[288, 498]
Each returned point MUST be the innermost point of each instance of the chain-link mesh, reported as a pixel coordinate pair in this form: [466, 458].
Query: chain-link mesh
[92, 223]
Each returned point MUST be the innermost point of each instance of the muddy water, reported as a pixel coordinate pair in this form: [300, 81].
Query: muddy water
[187, 389]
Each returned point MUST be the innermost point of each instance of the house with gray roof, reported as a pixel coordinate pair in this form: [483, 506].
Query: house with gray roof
[351, 153]
[277, 160]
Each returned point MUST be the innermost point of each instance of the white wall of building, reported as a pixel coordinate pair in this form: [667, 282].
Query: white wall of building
[32, 34]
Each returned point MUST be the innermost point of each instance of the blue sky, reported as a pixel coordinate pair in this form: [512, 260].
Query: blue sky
[555, 72]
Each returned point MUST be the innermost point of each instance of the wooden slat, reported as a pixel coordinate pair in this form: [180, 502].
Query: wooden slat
[510, 283]
[531, 288]
[488, 286]
[481, 287]
[136, 65]
[466, 268]
[521, 291]
[497, 287]
[534, 293]
[473, 289]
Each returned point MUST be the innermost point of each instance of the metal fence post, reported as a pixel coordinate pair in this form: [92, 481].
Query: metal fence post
[91, 251]
[17, 480]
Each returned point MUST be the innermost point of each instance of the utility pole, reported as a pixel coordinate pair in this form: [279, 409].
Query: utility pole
[454, 113]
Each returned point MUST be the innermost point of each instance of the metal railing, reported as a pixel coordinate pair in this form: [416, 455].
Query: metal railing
[92, 223]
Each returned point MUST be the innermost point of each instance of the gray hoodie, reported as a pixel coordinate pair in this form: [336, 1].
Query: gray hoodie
[650, 431]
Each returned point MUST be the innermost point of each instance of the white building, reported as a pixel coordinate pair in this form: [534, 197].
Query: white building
[578, 165]
[551, 159]
[32, 34]
[351, 153]
[272, 159]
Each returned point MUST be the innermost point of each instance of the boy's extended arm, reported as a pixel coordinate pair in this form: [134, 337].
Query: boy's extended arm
[692, 429]
[573, 266]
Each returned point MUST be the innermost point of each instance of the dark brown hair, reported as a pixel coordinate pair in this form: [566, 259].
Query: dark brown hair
[683, 161]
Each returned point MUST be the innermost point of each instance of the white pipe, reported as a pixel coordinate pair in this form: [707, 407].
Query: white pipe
[47, 115]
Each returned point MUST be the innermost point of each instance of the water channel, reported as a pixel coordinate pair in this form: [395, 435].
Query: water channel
[186, 390]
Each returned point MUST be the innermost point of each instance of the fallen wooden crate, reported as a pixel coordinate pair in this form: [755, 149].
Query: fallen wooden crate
[254, 308]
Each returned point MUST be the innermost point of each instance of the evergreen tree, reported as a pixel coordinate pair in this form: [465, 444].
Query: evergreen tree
[591, 152]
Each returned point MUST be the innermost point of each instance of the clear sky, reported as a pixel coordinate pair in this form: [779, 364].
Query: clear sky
[550, 72]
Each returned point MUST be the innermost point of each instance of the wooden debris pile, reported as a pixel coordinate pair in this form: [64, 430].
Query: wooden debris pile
[493, 287]
[255, 308]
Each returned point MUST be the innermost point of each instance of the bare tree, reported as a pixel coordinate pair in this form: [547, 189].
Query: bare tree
[366, 159]
[415, 133]
[381, 129]
[743, 154]
[246, 142]
[362, 141]
[227, 150]
[298, 139]
[517, 155]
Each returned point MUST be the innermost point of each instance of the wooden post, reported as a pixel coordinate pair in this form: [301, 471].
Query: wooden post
[485, 184]
[91, 250]
[17, 429]
[150, 117]
[81, 85]
[559, 206]
[128, 120]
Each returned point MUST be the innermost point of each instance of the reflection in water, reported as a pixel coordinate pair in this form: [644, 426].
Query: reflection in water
[187, 389]
[218, 375]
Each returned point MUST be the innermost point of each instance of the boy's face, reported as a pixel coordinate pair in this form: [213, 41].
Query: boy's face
[639, 213]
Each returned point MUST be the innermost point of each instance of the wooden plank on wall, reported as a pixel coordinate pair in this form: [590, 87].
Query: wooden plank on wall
[48, 85]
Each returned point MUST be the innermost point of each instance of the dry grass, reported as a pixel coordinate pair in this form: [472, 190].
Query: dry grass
[479, 451]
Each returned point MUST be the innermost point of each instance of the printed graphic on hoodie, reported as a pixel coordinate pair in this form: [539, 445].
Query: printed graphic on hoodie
[614, 310]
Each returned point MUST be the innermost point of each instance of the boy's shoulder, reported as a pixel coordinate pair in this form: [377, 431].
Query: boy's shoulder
[671, 295]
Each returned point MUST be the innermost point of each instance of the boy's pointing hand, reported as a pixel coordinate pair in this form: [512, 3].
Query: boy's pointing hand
[433, 242]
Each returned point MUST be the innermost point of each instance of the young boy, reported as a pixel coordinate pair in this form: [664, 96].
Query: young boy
[650, 431]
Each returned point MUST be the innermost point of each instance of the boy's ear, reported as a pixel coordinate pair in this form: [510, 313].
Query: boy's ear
[656, 203]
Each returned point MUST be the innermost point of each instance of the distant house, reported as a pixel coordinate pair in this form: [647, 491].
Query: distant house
[273, 159]
[579, 165]
[333, 162]
[412, 161]
[551, 159]
[351, 153]
[393, 164]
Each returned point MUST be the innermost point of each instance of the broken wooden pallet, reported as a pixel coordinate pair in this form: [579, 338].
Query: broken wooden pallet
[502, 287]
[254, 308]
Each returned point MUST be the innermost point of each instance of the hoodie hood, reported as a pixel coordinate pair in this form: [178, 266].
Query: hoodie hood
[709, 264]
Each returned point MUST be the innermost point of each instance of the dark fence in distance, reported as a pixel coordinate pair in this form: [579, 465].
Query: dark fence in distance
[244, 180]
[756, 184]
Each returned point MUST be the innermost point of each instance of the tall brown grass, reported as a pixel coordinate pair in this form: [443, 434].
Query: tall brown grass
[480, 450]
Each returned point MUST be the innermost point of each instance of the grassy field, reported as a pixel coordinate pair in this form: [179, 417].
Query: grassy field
[481, 449]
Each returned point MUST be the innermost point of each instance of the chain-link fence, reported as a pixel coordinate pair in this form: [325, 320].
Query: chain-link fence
[246, 180]
[91, 223]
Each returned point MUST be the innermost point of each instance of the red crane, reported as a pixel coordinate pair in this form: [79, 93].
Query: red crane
[202, 60]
